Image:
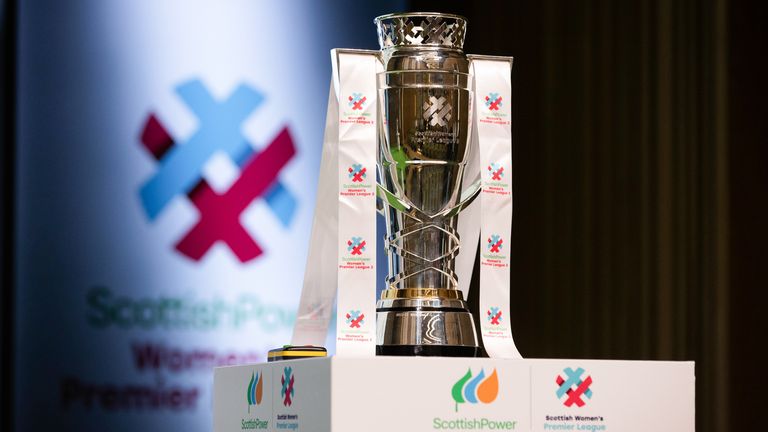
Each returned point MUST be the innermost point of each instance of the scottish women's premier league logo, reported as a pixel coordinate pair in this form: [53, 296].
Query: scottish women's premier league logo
[181, 163]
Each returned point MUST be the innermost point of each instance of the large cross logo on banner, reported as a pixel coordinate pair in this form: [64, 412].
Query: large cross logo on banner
[180, 171]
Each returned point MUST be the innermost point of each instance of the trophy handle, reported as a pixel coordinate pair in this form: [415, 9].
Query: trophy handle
[467, 197]
[392, 200]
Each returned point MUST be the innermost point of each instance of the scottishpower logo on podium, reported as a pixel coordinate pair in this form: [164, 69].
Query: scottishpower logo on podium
[473, 390]
[255, 390]
[476, 389]
[181, 171]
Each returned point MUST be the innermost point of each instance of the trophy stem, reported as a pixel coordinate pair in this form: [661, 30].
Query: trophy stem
[422, 312]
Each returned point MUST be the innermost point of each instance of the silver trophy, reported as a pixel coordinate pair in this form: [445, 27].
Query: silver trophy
[425, 118]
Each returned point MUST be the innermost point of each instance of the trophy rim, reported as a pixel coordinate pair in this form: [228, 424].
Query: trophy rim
[380, 18]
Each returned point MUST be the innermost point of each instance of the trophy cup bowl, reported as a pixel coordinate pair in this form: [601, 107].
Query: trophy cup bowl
[425, 97]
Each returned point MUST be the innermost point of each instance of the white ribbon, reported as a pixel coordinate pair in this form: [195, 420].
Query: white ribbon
[493, 117]
[342, 256]
[356, 301]
[320, 275]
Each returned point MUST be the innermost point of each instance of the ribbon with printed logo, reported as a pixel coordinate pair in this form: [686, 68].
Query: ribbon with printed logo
[346, 223]
[493, 118]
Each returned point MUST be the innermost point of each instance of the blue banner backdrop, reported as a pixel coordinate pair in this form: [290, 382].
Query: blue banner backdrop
[168, 153]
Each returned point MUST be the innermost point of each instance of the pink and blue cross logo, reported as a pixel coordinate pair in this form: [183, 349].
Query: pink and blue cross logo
[573, 387]
[181, 163]
[357, 101]
[356, 246]
[494, 315]
[357, 173]
[355, 318]
[493, 101]
[496, 171]
[287, 392]
[495, 243]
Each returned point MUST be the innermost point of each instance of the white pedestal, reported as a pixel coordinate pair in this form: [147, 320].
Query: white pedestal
[425, 394]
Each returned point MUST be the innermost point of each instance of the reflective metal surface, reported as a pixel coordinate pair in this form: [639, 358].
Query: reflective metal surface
[419, 303]
[441, 293]
[425, 111]
[421, 29]
[425, 328]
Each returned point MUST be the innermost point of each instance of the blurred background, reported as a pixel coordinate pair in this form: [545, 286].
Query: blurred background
[640, 180]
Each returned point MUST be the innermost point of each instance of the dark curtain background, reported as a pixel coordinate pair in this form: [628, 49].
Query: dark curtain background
[748, 188]
[633, 233]
[7, 152]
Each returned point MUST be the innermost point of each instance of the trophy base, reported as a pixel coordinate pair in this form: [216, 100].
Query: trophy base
[419, 327]
[427, 350]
